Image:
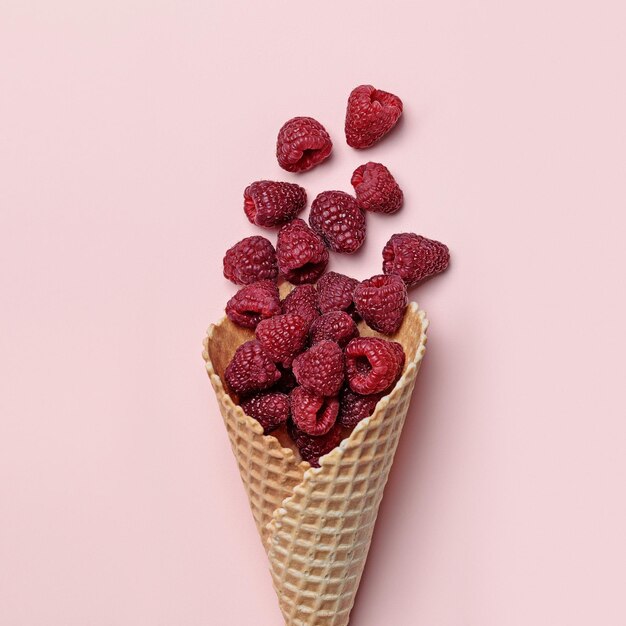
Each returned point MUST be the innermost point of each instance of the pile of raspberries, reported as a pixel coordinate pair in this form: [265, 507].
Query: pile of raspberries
[308, 370]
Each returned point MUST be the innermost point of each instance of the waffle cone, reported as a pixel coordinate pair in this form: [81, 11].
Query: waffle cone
[316, 523]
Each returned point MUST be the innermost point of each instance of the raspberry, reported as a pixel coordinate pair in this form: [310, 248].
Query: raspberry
[302, 143]
[283, 336]
[321, 368]
[337, 326]
[270, 409]
[376, 189]
[373, 364]
[302, 255]
[335, 216]
[268, 203]
[250, 369]
[250, 260]
[381, 301]
[371, 114]
[335, 291]
[313, 414]
[253, 303]
[313, 448]
[397, 346]
[353, 407]
[414, 258]
[303, 301]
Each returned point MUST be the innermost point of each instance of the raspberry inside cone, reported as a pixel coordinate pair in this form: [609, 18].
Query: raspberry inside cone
[321, 368]
[311, 447]
[355, 407]
[269, 409]
[373, 364]
[303, 301]
[313, 414]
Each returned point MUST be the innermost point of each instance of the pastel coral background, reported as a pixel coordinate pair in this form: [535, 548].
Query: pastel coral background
[128, 130]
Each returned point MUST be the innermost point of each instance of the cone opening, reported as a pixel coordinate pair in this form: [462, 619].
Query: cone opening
[225, 337]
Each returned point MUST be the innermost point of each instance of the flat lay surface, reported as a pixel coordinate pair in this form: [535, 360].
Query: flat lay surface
[128, 133]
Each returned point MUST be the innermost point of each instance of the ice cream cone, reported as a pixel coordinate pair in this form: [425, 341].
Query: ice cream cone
[316, 523]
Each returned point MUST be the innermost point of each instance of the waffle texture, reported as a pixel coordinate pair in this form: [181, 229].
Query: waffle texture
[316, 523]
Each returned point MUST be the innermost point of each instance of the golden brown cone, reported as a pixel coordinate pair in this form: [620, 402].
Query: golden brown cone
[316, 523]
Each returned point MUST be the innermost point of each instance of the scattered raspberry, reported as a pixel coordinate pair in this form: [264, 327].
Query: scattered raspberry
[268, 203]
[353, 407]
[373, 364]
[381, 301]
[286, 382]
[270, 409]
[376, 189]
[414, 258]
[250, 369]
[335, 216]
[302, 255]
[250, 260]
[283, 336]
[254, 303]
[321, 368]
[313, 448]
[313, 414]
[337, 326]
[302, 143]
[371, 114]
[303, 301]
[335, 292]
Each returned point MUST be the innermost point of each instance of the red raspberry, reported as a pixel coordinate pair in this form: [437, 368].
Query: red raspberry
[353, 407]
[371, 114]
[302, 143]
[414, 258]
[373, 364]
[313, 414]
[303, 301]
[335, 291]
[376, 189]
[283, 336]
[270, 409]
[250, 260]
[302, 255]
[250, 369]
[321, 368]
[313, 448]
[397, 346]
[335, 216]
[337, 326]
[253, 303]
[268, 203]
[381, 302]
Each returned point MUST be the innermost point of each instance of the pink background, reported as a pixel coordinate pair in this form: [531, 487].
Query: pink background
[128, 130]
